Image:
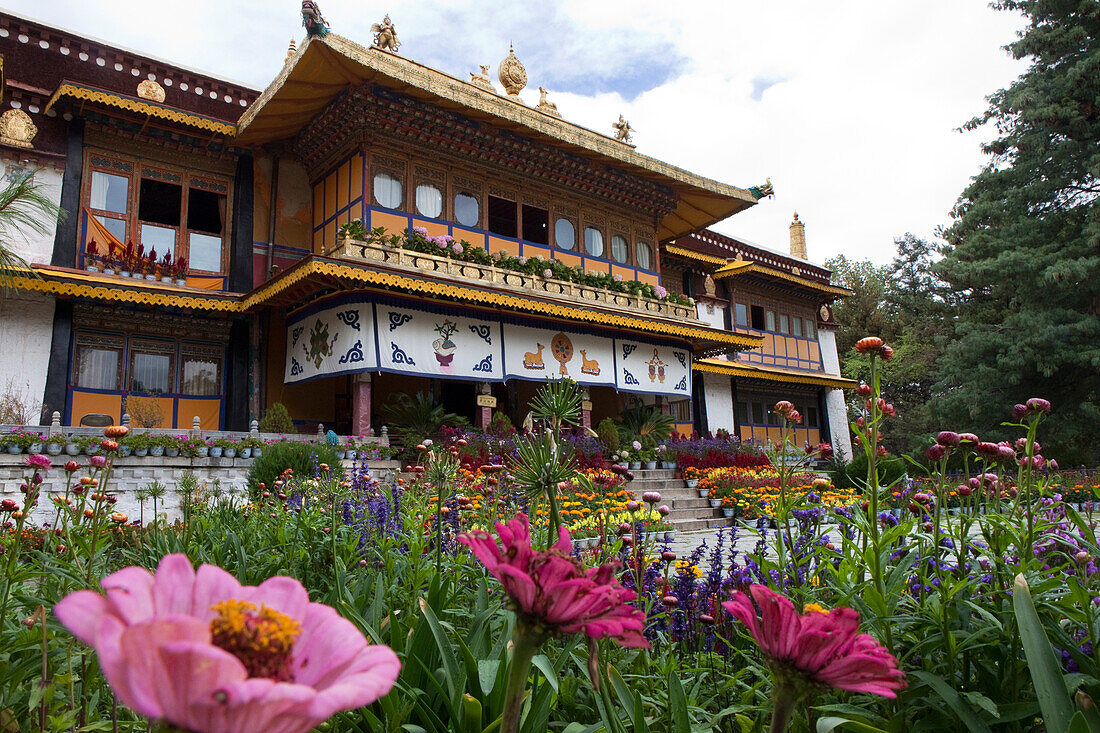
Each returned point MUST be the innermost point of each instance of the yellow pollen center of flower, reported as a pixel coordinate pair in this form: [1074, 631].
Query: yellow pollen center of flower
[814, 607]
[261, 639]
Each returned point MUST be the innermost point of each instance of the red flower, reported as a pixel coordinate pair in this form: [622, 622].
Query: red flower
[552, 592]
[822, 648]
[869, 344]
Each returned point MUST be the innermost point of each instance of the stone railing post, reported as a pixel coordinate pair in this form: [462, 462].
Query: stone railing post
[126, 419]
[196, 428]
[55, 424]
[254, 428]
[320, 432]
[385, 436]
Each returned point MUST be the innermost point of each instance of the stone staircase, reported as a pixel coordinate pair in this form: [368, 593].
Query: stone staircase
[689, 512]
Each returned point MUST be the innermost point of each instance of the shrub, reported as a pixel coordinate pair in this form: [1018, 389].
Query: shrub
[277, 420]
[145, 411]
[854, 474]
[608, 430]
[294, 454]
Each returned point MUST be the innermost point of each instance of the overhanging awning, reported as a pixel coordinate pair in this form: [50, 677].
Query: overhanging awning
[741, 268]
[85, 93]
[770, 374]
[65, 282]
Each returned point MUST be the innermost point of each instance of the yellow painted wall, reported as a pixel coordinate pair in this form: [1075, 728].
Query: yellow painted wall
[645, 277]
[88, 403]
[496, 244]
[208, 411]
[435, 228]
[393, 223]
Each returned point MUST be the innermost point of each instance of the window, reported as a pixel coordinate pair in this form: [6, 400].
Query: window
[743, 413]
[769, 320]
[429, 201]
[201, 376]
[758, 413]
[387, 191]
[619, 248]
[467, 210]
[774, 418]
[593, 241]
[809, 328]
[110, 192]
[741, 315]
[757, 318]
[98, 363]
[206, 222]
[502, 217]
[644, 257]
[158, 239]
[565, 235]
[151, 367]
[796, 326]
[536, 225]
[160, 202]
[784, 323]
[811, 417]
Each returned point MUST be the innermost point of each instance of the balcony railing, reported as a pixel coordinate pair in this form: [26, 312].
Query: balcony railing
[471, 273]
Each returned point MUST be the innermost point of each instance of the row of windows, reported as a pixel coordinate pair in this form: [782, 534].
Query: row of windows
[511, 219]
[164, 210]
[766, 319]
[117, 363]
[757, 411]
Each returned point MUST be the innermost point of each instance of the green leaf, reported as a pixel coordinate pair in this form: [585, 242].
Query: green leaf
[827, 725]
[544, 665]
[1050, 689]
[677, 704]
[960, 707]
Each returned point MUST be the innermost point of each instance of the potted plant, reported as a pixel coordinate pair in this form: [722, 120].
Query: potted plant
[72, 447]
[124, 447]
[179, 271]
[648, 456]
[149, 267]
[216, 447]
[89, 444]
[173, 445]
[166, 268]
[692, 476]
[91, 257]
[244, 448]
[55, 444]
[351, 449]
[258, 447]
[157, 445]
[667, 459]
[11, 443]
[138, 443]
[226, 448]
[108, 260]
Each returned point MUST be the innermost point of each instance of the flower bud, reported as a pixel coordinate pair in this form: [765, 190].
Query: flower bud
[72, 467]
[668, 555]
[1019, 411]
[948, 439]
[964, 490]
[1038, 404]
[935, 452]
[869, 344]
[671, 601]
[864, 390]
[632, 506]
[664, 511]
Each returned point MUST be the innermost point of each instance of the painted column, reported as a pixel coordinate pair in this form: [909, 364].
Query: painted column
[361, 404]
[586, 408]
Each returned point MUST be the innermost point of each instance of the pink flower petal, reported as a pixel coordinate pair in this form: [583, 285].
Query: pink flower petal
[130, 591]
[173, 585]
[81, 613]
[212, 585]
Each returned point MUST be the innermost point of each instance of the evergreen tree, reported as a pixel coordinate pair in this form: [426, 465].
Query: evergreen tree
[1024, 247]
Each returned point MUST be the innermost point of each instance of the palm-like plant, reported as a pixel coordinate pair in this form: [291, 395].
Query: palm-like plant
[418, 415]
[23, 208]
[647, 424]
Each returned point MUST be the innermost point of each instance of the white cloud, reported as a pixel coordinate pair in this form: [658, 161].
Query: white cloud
[859, 137]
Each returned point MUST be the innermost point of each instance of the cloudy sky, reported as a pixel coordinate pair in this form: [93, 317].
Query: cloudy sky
[850, 108]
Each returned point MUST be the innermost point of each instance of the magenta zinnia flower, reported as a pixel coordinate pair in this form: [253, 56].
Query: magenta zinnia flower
[38, 461]
[552, 592]
[817, 648]
[206, 654]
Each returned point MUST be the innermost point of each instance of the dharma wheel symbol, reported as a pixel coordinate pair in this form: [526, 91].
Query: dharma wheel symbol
[562, 349]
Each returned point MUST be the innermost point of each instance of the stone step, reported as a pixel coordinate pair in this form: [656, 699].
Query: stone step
[694, 525]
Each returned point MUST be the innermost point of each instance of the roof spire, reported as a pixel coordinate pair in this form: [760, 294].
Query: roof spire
[798, 238]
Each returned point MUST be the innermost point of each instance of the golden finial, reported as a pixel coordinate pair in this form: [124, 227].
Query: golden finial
[291, 50]
[512, 74]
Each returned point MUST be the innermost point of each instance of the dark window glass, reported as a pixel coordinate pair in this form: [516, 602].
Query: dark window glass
[536, 225]
[811, 417]
[758, 413]
[689, 284]
[205, 211]
[741, 313]
[796, 326]
[160, 202]
[757, 318]
[743, 413]
[502, 216]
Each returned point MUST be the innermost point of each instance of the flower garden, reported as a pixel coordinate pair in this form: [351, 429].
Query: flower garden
[520, 584]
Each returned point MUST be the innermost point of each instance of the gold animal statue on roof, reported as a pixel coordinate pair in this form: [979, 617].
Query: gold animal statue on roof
[481, 79]
[623, 130]
[546, 105]
[385, 35]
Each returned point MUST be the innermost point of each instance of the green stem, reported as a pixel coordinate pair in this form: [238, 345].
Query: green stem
[525, 644]
[785, 701]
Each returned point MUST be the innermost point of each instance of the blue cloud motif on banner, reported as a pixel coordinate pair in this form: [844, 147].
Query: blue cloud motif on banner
[295, 367]
[295, 335]
[628, 349]
[628, 378]
[484, 332]
[397, 320]
[355, 354]
[681, 357]
[350, 318]
[682, 385]
[399, 356]
[485, 365]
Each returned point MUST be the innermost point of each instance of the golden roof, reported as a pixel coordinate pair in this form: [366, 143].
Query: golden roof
[770, 373]
[748, 267]
[323, 67]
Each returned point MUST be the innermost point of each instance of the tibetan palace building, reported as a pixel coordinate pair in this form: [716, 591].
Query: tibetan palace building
[367, 226]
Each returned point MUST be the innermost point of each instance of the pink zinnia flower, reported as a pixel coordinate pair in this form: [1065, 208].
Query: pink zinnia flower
[552, 592]
[38, 461]
[819, 647]
[97, 461]
[204, 653]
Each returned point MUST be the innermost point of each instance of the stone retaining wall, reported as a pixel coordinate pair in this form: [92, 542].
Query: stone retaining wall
[130, 474]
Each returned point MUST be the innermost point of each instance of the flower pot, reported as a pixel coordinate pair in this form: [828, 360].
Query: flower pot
[650, 465]
[92, 449]
[341, 454]
[635, 465]
[230, 453]
[668, 464]
[108, 271]
[72, 449]
[156, 451]
[691, 482]
[352, 454]
[202, 451]
[141, 452]
[715, 503]
[14, 449]
[152, 278]
[215, 451]
[703, 493]
[54, 449]
[124, 451]
[670, 535]
[727, 513]
[245, 453]
[91, 268]
[172, 452]
[35, 447]
[257, 452]
[166, 279]
[124, 273]
[181, 281]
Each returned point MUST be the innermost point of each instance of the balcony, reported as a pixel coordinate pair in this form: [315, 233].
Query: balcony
[476, 275]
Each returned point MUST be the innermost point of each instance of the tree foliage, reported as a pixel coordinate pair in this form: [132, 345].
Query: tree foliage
[1024, 247]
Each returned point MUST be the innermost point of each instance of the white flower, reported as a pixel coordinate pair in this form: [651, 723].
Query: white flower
[427, 442]
[636, 445]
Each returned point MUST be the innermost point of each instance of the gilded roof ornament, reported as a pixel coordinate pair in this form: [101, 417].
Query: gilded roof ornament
[385, 35]
[623, 130]
[481, 79]
[709, 287]
[150, 90]
[291, 51]
[312, 20]
[512, 75]
[764, 190]
[545, 105]
[16, 128]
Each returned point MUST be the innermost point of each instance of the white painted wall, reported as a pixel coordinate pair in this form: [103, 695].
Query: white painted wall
[35, 247]
[718, 402]
[26, 329]
[834, 398]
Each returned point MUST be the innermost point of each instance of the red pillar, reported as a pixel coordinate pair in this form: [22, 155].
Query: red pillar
[361, 404]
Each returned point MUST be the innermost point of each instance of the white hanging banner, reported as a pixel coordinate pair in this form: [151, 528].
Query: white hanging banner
[538, 353]
[336, 340]
[436, 345]
[652, 369]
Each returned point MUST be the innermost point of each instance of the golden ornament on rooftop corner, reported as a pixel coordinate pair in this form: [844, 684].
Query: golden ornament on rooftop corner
[16, 128]
[385, 35]
[481, 79]
[623, 130]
